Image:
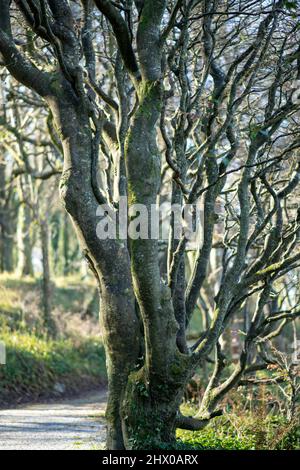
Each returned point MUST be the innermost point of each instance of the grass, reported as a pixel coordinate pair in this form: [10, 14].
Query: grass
[37, 366]
[242, 431]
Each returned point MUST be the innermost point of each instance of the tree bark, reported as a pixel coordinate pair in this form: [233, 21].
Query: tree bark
[7, 227]
[24, 266]
[46, 280]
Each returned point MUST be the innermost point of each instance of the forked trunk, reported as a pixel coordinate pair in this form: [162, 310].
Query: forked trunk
[150, 410]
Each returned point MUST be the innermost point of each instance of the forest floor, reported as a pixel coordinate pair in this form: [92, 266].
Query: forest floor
[63, 425]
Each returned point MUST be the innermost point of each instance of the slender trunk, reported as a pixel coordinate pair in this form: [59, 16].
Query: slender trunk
[63, 246]
[24, 266]
[46, 281]
[7, 247]
[7, 226]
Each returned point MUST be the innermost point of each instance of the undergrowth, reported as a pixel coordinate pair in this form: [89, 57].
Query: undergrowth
[37, 366]
[242, 431]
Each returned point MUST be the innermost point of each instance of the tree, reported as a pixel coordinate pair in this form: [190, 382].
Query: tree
[177, 83]
[27, 168]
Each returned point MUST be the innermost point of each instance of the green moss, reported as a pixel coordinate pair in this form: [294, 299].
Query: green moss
[132, 197]
[150, 97]
[56, 85]
[144, 21]
[146, 89]
[179, 366]
[150, 15]
[269, 269]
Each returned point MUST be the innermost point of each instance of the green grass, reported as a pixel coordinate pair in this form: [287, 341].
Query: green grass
[35, 364]
[242, 431]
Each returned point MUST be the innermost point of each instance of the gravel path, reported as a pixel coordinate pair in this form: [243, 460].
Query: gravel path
[65, 425]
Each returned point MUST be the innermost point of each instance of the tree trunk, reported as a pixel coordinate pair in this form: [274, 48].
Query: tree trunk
[7, 246]
[63, 246]
[46, 281]
[24, 266]
[121, 352]
[151, 406]
[7, 226]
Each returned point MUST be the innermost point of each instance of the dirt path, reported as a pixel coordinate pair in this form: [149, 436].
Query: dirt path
[65, 425]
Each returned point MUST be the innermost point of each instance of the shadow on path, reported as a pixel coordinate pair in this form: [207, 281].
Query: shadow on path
[66, 425]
